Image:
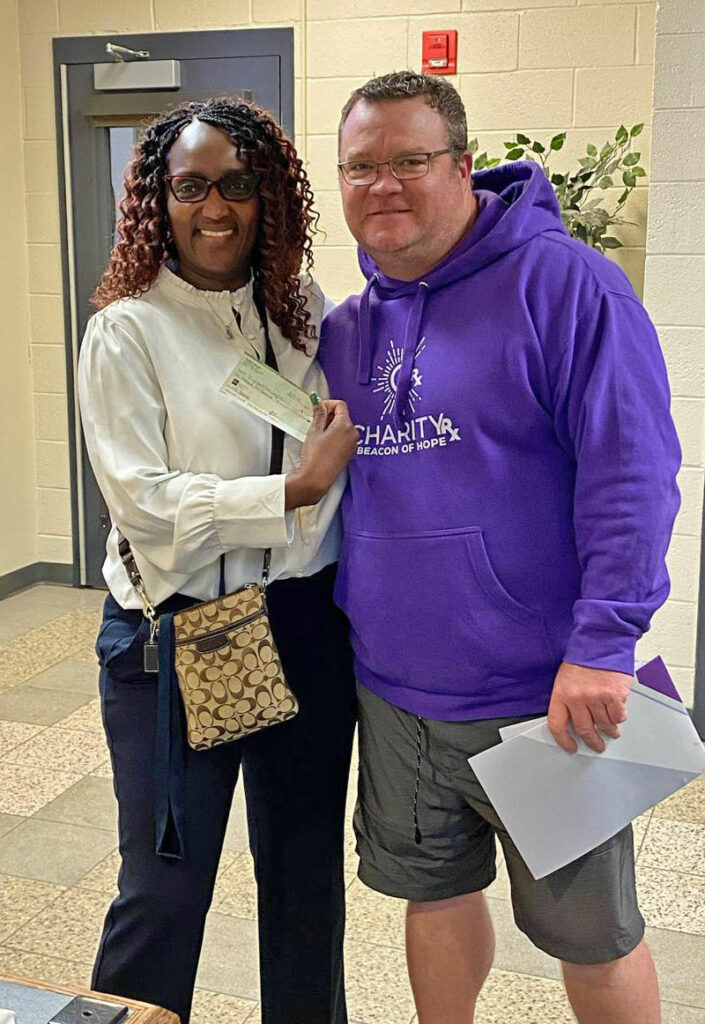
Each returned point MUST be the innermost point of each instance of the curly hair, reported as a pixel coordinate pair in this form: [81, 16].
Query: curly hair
[286, 220]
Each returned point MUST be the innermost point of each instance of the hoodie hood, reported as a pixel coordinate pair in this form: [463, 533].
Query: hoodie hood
[517, 202]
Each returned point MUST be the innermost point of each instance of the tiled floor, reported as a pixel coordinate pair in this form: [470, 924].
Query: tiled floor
[58, 859]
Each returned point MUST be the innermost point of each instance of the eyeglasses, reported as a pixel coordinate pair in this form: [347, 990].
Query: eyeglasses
[193, 188]
[404, 167]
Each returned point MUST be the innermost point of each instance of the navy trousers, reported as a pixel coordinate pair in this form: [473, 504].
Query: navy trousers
[295, 777]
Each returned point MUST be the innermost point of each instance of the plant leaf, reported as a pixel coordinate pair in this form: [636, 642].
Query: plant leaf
[493, 163]
[557, 141]
[631, 159]
[629, 179]
[622, 134]
[611, 243]
[638, 172]
[623, 198]
[481, 161]
[523, 139]
[591, 150]
[636, 130]
[473, 146]
[558, 179]
[514, 154]
[538, 147]
[605, 182]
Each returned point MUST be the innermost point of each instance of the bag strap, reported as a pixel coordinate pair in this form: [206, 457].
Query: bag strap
[275, 467]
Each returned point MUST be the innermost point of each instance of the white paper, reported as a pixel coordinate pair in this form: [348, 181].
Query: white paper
[558, 806]
[7, 1017]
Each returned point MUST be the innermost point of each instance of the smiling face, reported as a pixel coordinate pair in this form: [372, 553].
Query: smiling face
[214, 238]
[406, 226]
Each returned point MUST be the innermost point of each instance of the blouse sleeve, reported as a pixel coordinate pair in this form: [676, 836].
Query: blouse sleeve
[179, 521]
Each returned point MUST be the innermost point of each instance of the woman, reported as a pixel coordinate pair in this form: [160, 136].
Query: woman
[215, 226]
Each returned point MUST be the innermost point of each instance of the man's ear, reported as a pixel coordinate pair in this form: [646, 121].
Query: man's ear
[465, 166]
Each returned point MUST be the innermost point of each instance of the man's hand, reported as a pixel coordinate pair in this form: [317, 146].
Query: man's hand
[593, 699]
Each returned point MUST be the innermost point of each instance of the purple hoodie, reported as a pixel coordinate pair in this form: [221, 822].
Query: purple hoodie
[514, 490]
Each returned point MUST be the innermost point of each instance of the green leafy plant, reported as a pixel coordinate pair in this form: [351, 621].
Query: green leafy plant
[584, 214]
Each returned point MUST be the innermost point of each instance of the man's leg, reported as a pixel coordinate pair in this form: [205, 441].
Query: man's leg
[449, 951]
[619, 992]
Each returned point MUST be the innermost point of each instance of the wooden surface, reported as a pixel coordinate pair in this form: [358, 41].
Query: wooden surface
[144, 1012]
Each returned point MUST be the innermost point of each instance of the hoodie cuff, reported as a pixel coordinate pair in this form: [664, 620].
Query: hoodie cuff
[600, 648]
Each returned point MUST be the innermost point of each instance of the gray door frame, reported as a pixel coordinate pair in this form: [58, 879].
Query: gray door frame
[252, 44]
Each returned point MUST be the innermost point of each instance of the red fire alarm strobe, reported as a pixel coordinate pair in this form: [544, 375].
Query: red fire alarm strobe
[439, 53]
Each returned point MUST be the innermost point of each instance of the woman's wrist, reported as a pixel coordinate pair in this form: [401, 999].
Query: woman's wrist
[301, 490]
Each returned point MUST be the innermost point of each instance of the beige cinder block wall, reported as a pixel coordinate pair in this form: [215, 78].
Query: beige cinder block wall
[533, 65]
[18, 541]
[675, 297]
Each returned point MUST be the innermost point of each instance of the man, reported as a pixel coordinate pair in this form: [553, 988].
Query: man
[506, 524]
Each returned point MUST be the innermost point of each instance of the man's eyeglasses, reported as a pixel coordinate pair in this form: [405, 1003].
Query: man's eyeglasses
[193, 188]
[404, 167]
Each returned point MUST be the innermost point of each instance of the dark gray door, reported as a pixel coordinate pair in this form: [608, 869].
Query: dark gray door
[96, 131]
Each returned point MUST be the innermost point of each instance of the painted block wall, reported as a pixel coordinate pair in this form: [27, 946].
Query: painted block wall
[674, 294]
[532, 65]
[18, 534]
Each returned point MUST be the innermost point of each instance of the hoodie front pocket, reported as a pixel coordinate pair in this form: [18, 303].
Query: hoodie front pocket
[429, 612]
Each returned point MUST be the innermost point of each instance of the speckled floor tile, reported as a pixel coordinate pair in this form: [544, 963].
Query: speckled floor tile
[500, 888]
[377, 984]
[350, 858]
[510, 998]
[69, 928]
[52, 970]
[67, 750]
[675, 1013]
[229, 961]
[31, 704]
[236, 836]
[103, 771]
[672, 900]
[86, 719]
[103, 877]
[53, 852]
[9, 821]
[90, 802]
[688, 804]
[70, 674]
[12, 734]
[674, 846]
[515, 952]
[42, 647]
[235, 888]
[640, 827]
[372, 917]
[21, 899]
[679, 958]
[53, 596]
[25, 789]
[216, 1008]
[10, 630]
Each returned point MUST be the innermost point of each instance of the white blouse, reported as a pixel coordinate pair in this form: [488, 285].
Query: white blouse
[182, 467]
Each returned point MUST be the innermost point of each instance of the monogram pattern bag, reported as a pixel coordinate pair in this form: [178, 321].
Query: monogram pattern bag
[227, 665]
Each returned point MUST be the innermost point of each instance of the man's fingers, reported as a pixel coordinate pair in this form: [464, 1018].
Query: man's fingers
[584, 726]
[603, 721]
[558, 719]
[616, 711]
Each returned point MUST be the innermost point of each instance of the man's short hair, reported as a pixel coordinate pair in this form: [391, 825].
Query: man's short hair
[405, 85]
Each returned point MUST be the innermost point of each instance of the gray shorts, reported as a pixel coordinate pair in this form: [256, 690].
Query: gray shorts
[585, 913]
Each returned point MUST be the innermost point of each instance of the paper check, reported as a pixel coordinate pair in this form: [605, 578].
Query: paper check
[267, 394]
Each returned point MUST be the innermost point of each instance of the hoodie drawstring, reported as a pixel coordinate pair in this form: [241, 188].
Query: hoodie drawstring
[417, 781]
[411, 340]
[364, 316]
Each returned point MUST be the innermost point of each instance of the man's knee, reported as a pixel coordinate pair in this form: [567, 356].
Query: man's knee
[468, 900]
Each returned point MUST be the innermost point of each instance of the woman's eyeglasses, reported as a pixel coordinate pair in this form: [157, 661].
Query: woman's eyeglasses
[193, 188]
[403, 167]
